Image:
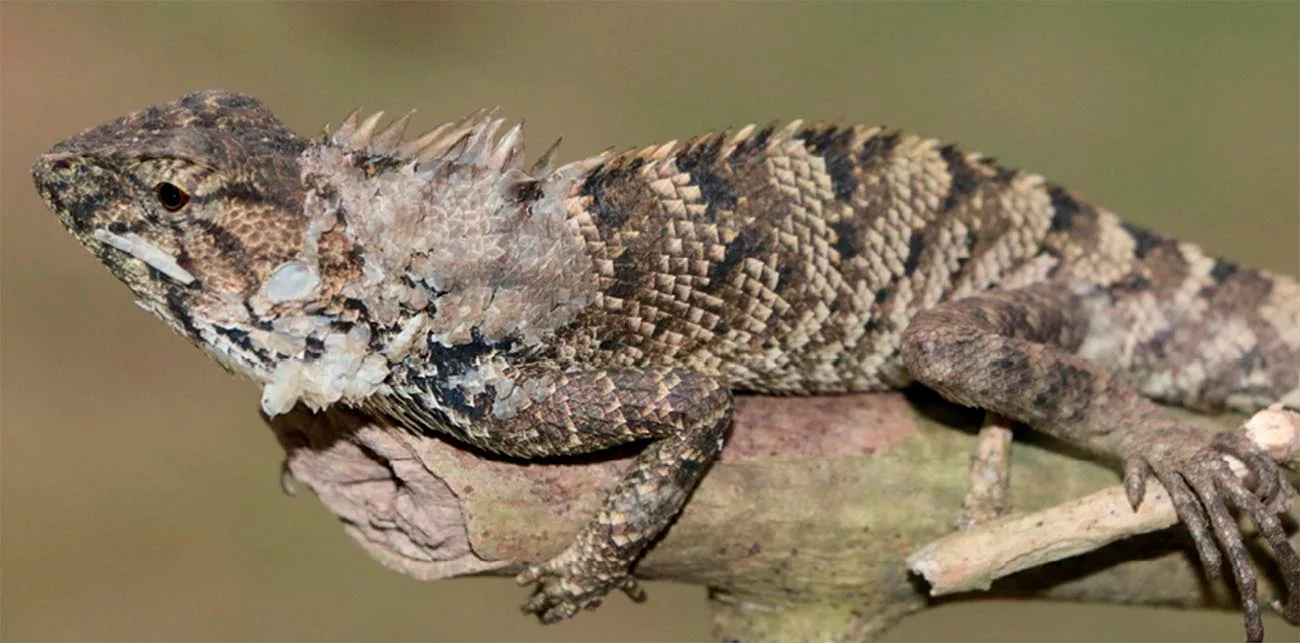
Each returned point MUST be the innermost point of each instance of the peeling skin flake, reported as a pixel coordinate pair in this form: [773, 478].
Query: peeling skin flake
[345, 370]
[134, 245]
[282, 392]
[291, 281]
[401, 345]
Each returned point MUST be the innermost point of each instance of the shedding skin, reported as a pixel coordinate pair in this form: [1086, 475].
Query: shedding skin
[535, 311]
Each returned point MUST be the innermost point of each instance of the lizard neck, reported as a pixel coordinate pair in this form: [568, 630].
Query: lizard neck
[403, 259]
[474, 249]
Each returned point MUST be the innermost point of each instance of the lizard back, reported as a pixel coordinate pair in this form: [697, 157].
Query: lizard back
[791, 261]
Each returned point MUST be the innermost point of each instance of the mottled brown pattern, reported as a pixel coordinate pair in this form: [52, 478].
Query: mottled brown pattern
[538, 312]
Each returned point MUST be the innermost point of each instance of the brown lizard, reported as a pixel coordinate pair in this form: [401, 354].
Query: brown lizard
[542, 311]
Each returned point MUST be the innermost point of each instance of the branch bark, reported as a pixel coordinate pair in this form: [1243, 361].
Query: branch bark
[802, 530]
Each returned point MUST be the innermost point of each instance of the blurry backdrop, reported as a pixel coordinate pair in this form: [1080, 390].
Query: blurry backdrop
[139, 486]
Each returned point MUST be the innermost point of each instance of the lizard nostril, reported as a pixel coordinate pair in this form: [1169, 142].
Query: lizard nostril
[60, 180]
[50, 164]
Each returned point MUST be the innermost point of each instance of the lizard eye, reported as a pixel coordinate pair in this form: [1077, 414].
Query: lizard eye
[171, 197]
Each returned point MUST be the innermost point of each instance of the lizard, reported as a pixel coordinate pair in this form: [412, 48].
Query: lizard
[538, 310]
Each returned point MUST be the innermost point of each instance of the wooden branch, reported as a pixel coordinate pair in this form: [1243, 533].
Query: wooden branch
[802, 530]
[989, 477]
[974, 559]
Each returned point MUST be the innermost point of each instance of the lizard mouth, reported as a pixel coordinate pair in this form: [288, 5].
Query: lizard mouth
[151, 255]
[61, 182]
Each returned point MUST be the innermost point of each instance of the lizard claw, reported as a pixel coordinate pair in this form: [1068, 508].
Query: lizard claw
[567, 583]
[1199, 481]
[1272, 489]
[1136, 472]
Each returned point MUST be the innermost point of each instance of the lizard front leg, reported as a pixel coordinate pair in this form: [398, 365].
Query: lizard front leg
[1012, 353]
[684, 417]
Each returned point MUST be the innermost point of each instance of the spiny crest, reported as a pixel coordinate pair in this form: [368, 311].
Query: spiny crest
[469, 141]
[721, 145]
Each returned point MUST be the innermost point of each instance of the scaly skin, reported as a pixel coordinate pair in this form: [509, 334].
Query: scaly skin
[540, 312]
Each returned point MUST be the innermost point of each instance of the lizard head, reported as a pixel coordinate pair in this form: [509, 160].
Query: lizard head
[317, 266]
[192, 204]
[190, 199]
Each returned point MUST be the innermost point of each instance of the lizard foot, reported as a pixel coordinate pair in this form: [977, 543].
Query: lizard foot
[1201, 484]
[570, 582]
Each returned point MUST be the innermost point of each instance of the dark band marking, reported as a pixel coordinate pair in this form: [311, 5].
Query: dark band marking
[1002, 175]
[242, 191]
[627, 276]
[230, 245]
[744, 245]
[1144, 240]
[179, 308]
[458, 360]
[965, 179]
[1221, 273]
[1065, 209]
[834, 146]
[973, 238]
[1223, 270]
[701, 162]
[602, 186]
[237, 336]
[255, 319]
[915, 246]
[877, 148]
[241, 339]
[846, 231]
[1055, 254]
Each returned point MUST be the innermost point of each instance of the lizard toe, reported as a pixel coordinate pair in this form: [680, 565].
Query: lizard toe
[1264, 475]
[1190, 513]
[1205, 490]
[1211, 479]
[565, 586]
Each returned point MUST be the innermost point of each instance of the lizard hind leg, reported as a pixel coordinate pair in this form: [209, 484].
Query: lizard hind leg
[1013, 353]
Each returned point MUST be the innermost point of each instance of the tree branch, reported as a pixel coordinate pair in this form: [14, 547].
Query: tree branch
[801, 530]
[974, 559]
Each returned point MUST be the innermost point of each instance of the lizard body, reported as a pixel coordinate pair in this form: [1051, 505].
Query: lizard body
[536, 312]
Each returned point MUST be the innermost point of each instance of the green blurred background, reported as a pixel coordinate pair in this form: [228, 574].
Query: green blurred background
[139, 486]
